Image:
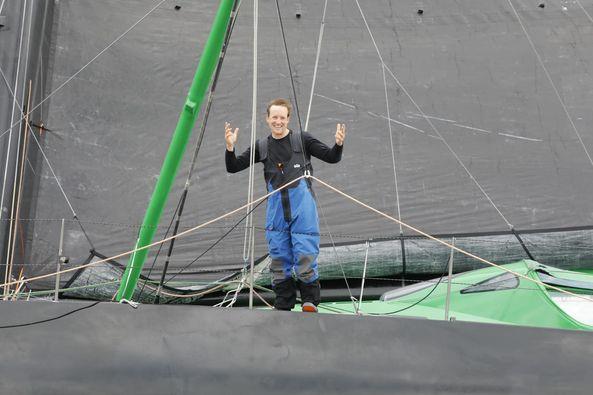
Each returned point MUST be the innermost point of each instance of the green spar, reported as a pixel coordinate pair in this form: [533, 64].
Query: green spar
[176, 150]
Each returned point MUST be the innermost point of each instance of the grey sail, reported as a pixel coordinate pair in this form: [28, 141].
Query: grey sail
[482, 130]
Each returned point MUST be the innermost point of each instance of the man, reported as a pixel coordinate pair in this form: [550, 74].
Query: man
[292, 223]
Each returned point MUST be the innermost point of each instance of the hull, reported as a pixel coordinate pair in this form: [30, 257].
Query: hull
[113, 348]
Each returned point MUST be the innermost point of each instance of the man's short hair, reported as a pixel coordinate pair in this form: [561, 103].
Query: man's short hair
[280, 102]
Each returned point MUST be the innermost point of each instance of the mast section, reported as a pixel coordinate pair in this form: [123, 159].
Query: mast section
[186, 121]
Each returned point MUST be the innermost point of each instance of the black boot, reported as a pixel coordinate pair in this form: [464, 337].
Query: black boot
[285, 294]
[310, 292]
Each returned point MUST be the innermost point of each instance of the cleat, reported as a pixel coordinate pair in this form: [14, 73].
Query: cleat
[309, 307]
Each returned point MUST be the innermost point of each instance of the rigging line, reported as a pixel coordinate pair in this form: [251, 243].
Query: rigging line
[74, 215]
[249, 231]
[19, 175]
[352, 298]
[213, 244]
[321, 29]
[584, 10]
[95, 58]
[68, 289]
[296, 104]
[306, 164]
[429, 121]
[16, 79]
[188, 231]
[229, 32]
[440, 241]
[399, 215]
[2, 6]
[364, 273]
[302, 141]
[252, 151]
[8, 150]
[184, 194]
[541, 63]
[159, 250]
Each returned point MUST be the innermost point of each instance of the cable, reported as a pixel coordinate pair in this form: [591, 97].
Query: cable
[418, 301]
[50, 319]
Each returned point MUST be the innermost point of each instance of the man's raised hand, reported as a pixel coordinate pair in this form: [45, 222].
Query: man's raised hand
[230, 136]
[340, 133]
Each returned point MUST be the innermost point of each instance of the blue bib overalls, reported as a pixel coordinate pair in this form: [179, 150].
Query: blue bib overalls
[292, 228]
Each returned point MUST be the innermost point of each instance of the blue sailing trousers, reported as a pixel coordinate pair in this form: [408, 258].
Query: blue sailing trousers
[292, 232]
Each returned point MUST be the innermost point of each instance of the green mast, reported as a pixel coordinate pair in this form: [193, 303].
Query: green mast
[176, 150]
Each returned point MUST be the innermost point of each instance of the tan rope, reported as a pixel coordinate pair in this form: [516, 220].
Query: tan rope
[445, 243]
[228, 214]
[262, 299]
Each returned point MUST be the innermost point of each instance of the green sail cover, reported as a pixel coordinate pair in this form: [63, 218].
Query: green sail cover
[487, 295]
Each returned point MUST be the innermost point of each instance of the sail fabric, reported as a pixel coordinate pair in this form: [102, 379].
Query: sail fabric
[480, 139]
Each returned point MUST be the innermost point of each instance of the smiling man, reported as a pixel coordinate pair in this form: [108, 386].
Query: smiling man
[292, 222]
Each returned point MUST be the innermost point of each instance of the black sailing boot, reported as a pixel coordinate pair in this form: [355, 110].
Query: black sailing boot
[310, 295]
[285, 294]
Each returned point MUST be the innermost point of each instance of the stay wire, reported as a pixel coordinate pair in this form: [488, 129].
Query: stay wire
[471, 176]
[248, 238]
[181, 204]
[399, 215]
[159, 250]
[296, 105]
[28, 127]
[549, 77]
[229, 32]
[321, 30]
[215, 243]
[73, 76]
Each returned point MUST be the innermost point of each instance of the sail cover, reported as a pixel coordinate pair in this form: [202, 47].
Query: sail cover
[464, 117]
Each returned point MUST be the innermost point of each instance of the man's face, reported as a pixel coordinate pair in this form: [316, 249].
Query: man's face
[278, 121]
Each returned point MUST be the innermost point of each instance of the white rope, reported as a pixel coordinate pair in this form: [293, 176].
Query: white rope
[92, 60]
[364, 274]
[399, 215]
[541, 62]
[429, 121]
[331, 238]
[321, 29]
